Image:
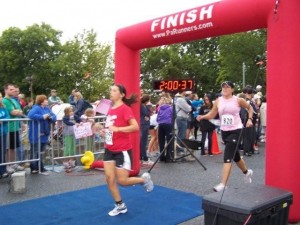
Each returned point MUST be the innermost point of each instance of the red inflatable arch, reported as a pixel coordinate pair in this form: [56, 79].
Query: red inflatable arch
[282, 18]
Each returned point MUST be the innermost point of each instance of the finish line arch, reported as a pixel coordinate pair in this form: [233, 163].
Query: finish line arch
[283, 54]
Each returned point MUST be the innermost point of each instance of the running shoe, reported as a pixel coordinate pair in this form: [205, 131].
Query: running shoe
[121, 208]
[248, 176]
[219, 187]
[149, 162]
[17, 167]
[148, 183]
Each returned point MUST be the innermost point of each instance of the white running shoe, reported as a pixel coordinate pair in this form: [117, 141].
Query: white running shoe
[45, 173]
[219, 187]
[248, 177]
[118, 209]
[10, 170]
[17, 167]
[149, 162]
[148, 184]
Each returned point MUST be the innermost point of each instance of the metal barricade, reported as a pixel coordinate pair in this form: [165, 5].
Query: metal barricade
[15, 146]
[65, 147]
[21, 153]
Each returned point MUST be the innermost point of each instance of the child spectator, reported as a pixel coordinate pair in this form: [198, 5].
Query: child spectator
[153, 143]
[69, 120]
[29, 105]
[88, 117]
[21, 99]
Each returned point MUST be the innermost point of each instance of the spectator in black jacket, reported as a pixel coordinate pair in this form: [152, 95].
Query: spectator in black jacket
[250, 132]
[145, 113]
[206, 127]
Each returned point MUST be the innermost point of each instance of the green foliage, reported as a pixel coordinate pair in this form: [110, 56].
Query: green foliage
[201, 63]
[85, 65]
[209, 61]
[238, 48]
[28, 52]
[37, 52]
[197, 60]
[11, 55]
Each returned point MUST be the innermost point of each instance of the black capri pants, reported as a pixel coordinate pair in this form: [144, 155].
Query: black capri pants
[230, 139]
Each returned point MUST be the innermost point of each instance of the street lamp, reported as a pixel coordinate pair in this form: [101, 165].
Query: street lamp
[30, 80]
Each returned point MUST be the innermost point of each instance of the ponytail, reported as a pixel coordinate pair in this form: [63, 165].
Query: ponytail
[128, 101]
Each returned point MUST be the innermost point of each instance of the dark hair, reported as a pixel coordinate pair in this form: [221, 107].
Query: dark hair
[242, 95]
[6, 86]
[209, 97]
[128, 101]
[145, 98]
[248, 90]
[229, 83]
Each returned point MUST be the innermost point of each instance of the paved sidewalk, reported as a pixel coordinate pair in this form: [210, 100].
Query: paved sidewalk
[184, 176]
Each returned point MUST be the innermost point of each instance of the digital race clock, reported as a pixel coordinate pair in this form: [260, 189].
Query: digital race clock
[174, 85]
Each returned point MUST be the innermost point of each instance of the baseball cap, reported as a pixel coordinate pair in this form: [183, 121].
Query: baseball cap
[229, 83]
[258, 87]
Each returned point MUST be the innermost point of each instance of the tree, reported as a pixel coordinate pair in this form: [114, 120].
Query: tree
[29, 52]
[85, 65]
[37, 53]
[201, 63]
[11, 56]
[197, 60]
[209, 61]
[238, 48]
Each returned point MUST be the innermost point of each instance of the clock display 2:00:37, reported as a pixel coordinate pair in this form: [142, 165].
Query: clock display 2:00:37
[176, 85]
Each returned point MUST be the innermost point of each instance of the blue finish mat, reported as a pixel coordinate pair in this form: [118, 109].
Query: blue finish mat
[162, 206]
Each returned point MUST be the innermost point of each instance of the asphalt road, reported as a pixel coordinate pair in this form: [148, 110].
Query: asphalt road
[188, 176]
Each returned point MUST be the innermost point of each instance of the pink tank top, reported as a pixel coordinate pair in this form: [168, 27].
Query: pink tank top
[229, 112]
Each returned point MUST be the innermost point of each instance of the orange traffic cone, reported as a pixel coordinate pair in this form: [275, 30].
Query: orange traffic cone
[215, 145]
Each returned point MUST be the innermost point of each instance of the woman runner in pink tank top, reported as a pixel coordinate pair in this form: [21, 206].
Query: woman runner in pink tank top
[228, 106]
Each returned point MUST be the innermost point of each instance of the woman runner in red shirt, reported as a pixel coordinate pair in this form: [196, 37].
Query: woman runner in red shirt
[119, 124]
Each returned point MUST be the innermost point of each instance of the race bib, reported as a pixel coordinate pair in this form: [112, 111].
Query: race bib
[227, 120]
[108, 137]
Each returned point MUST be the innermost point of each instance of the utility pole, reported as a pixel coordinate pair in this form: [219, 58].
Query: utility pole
[30, 81]
[244, 74]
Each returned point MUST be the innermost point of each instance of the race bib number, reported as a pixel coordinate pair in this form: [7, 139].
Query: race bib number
[108, 137]
[227, 120]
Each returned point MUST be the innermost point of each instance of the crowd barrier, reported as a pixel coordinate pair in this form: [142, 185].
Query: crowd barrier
[54, 153]
[20, 154]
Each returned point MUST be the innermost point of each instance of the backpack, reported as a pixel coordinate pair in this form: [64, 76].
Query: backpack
[255, 112]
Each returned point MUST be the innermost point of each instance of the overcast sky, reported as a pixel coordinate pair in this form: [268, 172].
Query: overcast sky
[73, 16]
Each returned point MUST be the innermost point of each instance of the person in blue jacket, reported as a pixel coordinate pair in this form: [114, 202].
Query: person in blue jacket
[39, 131]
